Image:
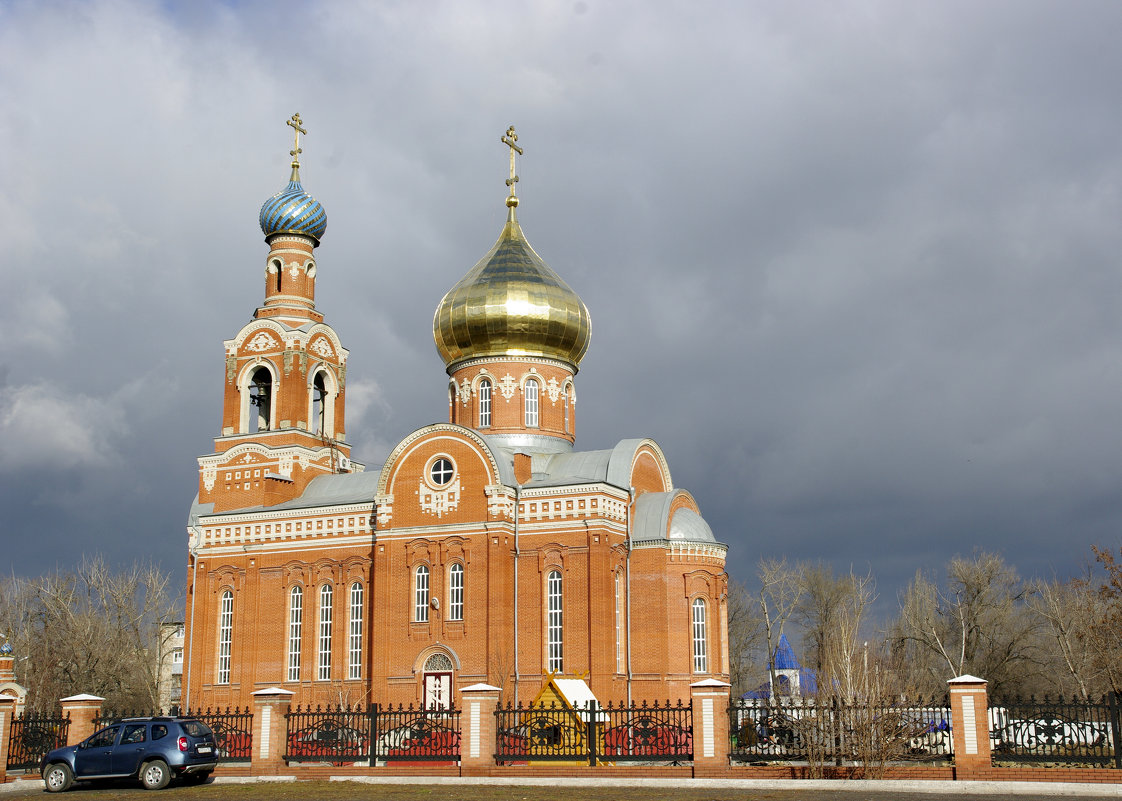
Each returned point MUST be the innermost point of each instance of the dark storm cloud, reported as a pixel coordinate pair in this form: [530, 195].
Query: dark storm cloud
[854, 265]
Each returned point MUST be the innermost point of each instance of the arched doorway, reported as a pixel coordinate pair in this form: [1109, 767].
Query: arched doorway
[437, 682]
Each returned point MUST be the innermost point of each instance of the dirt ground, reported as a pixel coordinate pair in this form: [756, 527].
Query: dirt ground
[352, 791]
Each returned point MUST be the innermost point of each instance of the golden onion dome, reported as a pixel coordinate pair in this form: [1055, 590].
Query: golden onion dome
[511, 303]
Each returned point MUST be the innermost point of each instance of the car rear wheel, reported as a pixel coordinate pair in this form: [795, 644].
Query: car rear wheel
[155, 775]
[58, 777]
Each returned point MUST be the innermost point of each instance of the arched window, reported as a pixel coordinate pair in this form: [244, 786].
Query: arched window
[354, 638]
[260, 400]
[554, 624]
[295, 625]
[530, 391]
[225, 636]
[421, 594]
[323, 663]
[700, 640]
[485, 403]
[619, 622]
[565, 410]
[456, 592]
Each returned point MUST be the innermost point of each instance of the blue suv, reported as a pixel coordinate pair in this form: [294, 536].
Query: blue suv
[151, 749]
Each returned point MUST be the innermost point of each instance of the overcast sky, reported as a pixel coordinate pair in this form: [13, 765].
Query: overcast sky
[854, 265]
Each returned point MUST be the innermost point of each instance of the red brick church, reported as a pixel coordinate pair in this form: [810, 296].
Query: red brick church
[485, 548]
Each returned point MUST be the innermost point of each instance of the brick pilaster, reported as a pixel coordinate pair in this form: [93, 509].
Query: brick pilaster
[7, 711]
[478, 728]
[82, 710]
[710, 701]
[270, 730]
[969, 725]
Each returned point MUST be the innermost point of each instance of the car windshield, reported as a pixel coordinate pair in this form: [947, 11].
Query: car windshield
[196, 728]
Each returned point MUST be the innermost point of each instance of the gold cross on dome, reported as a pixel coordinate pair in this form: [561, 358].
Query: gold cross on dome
[509, 140]
[296, 123]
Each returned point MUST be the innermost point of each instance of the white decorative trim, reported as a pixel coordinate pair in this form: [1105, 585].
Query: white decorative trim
[384, 504]
[261, 342]
[439, 501]
[465, 392]
[500, 501]
[210, 475]
[507, 385]
[554, 390]
[323, 348]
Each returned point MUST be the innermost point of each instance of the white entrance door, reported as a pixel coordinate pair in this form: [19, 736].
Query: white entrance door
[438, 690]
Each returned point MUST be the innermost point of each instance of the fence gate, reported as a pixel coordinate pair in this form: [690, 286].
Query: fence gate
[30, 737]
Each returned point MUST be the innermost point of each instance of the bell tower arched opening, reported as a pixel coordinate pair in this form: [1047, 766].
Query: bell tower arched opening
[258, 400]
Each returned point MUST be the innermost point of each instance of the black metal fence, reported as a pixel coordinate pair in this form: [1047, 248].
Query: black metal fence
[376, 734]
[31, 737]
[233, 731]
[837, 730]
[595, 734]
[1074, 732]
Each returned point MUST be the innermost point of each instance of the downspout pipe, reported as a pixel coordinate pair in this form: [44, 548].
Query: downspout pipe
[517, 505]
[196, 538]
[630, 505]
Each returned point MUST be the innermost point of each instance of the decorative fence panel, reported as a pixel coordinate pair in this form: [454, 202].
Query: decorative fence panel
[593, 734]
[1071, 732]
[344, 736]
[416, 735]
[233, 731]
[839, 730]
[31, 737]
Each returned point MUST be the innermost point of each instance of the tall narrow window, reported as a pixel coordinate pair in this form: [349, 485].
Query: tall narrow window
[531, 393]
[565, 410]
[225, 636]
[456, 592]
[323, 672]
[354, 638]
[295, 625]
[555, 646]
[484, 403]
[421, 594]
[619, 623]
[700, 641]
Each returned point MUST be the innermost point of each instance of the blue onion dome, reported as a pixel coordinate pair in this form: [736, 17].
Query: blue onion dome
[293, 211]
[5, 650]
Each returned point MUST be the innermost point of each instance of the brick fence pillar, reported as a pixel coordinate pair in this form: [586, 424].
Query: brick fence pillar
[478, 728]
[82, 710]
[970, 727]
[270, 730]
[7, 711]
[710, 701]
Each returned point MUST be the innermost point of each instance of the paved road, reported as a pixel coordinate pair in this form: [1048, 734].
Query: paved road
[583, 790]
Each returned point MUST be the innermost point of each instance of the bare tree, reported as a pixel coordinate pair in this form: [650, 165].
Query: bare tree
[90, 630]
[746, 636]
[781, 590]
[977, 623]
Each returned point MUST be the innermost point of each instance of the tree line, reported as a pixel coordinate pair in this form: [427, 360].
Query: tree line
[977, 617]
[90, 629]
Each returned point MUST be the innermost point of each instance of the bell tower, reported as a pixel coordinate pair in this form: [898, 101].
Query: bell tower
[285, 373]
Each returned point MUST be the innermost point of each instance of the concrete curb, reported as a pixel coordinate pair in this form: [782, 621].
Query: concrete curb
[1057, 789]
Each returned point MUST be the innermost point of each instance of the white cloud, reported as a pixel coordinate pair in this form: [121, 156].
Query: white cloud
[43, 427]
